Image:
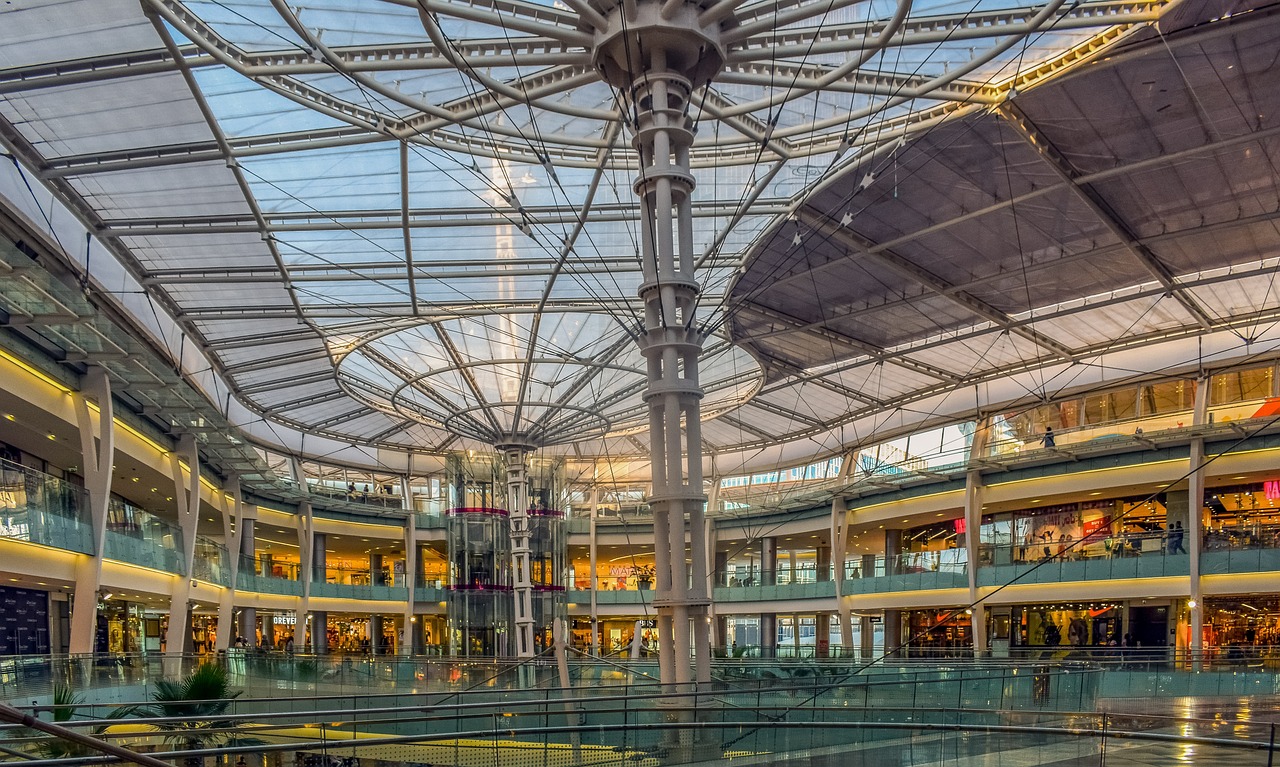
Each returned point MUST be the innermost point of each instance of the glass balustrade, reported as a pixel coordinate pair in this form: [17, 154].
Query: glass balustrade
[141, 538]
[264, 575]
[211, 562]
[909, 571]
[43, 509]
[358, 583]
[1244, 548]
[1135, 555]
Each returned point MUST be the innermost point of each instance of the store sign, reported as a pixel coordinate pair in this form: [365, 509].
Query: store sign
[1272, 489]
[285, 620]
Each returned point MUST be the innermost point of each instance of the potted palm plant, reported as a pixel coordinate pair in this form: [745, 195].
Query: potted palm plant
[644, 576]
[195, 704]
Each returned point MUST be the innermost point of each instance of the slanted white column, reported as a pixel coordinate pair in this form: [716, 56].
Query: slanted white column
[97, 450]
[973, 492]
[592, 580]
[840, 552]
[232, 510]
[187, 494]
[305, 528]
[1195, 519]
[408, 624]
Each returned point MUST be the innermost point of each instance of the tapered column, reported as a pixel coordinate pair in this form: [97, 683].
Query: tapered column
[1195, 522]
[972, 528]
[188, 497]
[409, 620]
[973, 489]
[840, 547]
[232, 530]
[592, 563]
[97, 453]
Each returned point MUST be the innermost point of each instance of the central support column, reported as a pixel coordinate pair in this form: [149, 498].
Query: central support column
[521, 572]
[656, 54]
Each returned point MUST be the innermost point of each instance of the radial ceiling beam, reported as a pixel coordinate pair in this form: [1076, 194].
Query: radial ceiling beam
[741, 425]
[276, 360]
[770, 74]
[529, 51]
[926, 279]
[875, 353]
[798, 375]
[359, 273]
[413, 379]
[94, 69]
[287, 382]
[1067, 173]
[389, 218]
[932, 30]
[776, 409]
[310, 399]
[529, 18]
[388, 312]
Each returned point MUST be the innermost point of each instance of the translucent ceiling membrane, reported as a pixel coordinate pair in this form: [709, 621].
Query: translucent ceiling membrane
[397, 230]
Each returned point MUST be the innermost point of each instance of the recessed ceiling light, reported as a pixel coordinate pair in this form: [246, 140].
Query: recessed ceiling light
[53, 436]
[9, 417]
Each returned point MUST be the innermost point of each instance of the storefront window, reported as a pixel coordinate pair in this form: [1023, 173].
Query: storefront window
[1242, 622]
[1067, 625]
[1112, 406]
[938, 633]
[1240, 386]
[1168, 397]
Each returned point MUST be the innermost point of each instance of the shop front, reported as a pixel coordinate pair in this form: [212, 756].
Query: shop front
[1083, 530]
[946, 633]
[1062, 629]
[1243, 630]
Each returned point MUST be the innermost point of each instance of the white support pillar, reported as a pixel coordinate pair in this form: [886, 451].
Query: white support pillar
[521, 575]
[592, 559]
[656, 53]
[840, 553]
[1195, 520]
[408, 626]
[972, 526]
[187, 494]
[97, 450]
[305, 528]
[232, 533]
[973, 499]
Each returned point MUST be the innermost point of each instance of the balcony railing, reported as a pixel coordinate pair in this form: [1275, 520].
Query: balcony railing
[43, 509]
[1131, 556]
[141, 538]
[268, 577]
[1248, 548]
[212, 562]
[358, 583]
[910, 571]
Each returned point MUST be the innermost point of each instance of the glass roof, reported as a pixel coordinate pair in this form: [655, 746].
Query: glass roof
[402, 223]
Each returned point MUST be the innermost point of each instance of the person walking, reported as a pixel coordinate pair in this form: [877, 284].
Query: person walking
[1175, 539]
[1049, 440]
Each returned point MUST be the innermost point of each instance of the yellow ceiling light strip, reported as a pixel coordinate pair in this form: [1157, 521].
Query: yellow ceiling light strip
[42, 376]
